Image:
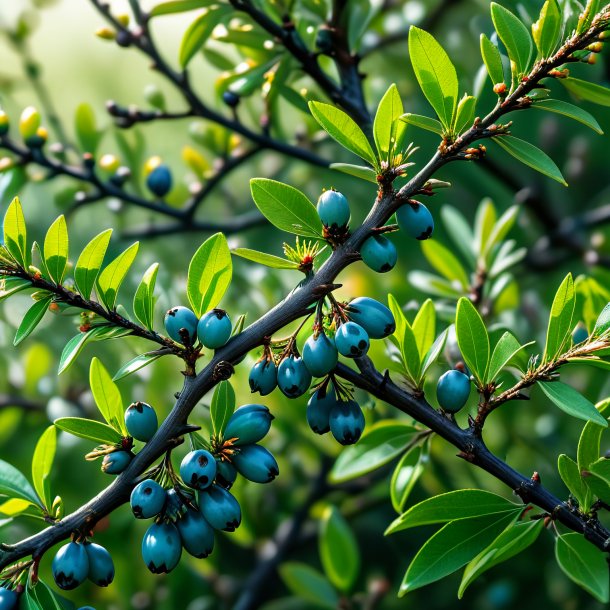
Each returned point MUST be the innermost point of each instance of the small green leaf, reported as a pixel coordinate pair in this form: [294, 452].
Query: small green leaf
[73, 348]
[484, 224]
[200, 30]
[111, 278]
[492, 59]
[137, 363]
[275, 262]
[406, 474]
[144, 300]
[107, 396]
[42, 461]
[178, 6]
[15, 233]
[32, 318]
[472, 338]
[570, 475]
[432, 356]
[505, 350]
[590, 438]
[602, 325]
[597, 478]
[89, 429]
[358, 171]
[433, 284]
[515, 36]
[445, 262]
[500, 230]
[464, 116]
[89, 263]
[547, 29]
[424, 327]
[560, 325]
[14, 484]
[572, 402]
[384, 128]
[590, 92]
[569, 110]
[209, 274]
[56, 249]
[423, 122]
[309, 584]
[12, 285]
[86, 130]
[222, 407]
[460, 232]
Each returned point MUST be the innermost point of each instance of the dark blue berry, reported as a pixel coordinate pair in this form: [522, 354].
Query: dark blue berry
[141, 421]
[415, 220]
[249, 424]
[161, 547]
[214, 328]
[198, 469]
[70, 566]
[333, 209]
[8, 599]
[196, 533]
[225, 474]
[346, 422]
[376, 319]
[352, 340]
[101, 566]
[293, 378]
[256, 464]
[452, 391]
[318, 410]
[147, 499]
[263, 377]
[181, 325]
[379, 253]
[320, 355]
[116, 462]
[176, 503]
[159, 181]
[579, 334]
[85, 608]
[220, 508]
[230, 98]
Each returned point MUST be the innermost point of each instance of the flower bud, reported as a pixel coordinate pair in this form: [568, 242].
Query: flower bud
[29, 122]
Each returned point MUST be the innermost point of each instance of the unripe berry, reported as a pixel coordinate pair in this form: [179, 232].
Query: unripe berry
[101, 566]
[214, 328]
[320, 355]
[147, 499]
[198, 469]
[196, 533]
[29, 123]
[8, 599]
[116, 462]
[256, 464]
[293, 378]
[225, 474]
[141, 421]
[249, 424]
[263, 377]
[580, 334]
[4, 125]
[376, 319]
[220, 508]
[70, 566]
[346, 422]
[109, 163]
[318, 410]
[161, 547]
[452, 391]
[333, 210]
[159, 181]
[182, 319]
[379, 253]
[415, 220]
[352, 340]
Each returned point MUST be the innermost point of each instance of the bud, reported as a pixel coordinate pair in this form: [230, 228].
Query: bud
[29, 122]
[151, 164]
[596, 47]
[123, 19]
[39, 139]
[109, 163]
[105, 33]
[592, 59]
[154, 97]
[57, 509]
[500, 88]
[4, 123]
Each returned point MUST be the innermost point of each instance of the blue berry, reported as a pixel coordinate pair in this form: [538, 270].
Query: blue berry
[196, 533]
[181, 325]
[318, 410]
[159, 181]
[214, 328]
[452, 391]
[230, 98]
[220, 508]
[352, 340]
[161, 547]
[225, 474]
[256, 464]
[116, 462]
[293, 378]
[320, 355]
[141, 421]
[379, 253]
[70, 566]
[376, 319]
[8, 599]
[198, 469]
[86, 608]
[415, 220]
[175, 505]
[147, 499]
[263, 377]
[333, 209]
[346, 422]
[579, 334]
[101, 566]
[249, 424]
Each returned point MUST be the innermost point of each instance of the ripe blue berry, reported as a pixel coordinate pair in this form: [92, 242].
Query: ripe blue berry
[379, 253]
[220, 508]
[346, 422]
[293, 378]
[101, 566]
[161, 547]
[579, 334]
[320, 355]
[352, 340]
[8, 599]
[198, 469]
[116, 462]
[159, 181]
[376, 319]
[86, 608]
[256, 464]
[415, 220]
[141, 421]
[147, 499]
[263, 377]
[225, 474]
[230, 98]
[452, 390]
[181, 325]
[249, 424]
[70, 566]
[318, 410]
[175, 505]
[333, 210]
[196, 533]
[214, 328]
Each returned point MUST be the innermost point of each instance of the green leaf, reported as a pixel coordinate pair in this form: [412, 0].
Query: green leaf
[423, 122]
[597, 478]
[445, 262]
[200, 30]
[433, 284]
[505, 350]
[14, 484]
[531, 156]
[74, 347]
[464, 116]
[275, 262]
[89, 263]
[406, 474]
[56, 249]
[452, 506]
[492, 60]
[572, 402]
[435, 74]
[342, 128]
[590, 439]
[32, 318]
[338, 550]
[460, 232]
[209, 275]
[358, 171]
[384, 128]
[570, 475]
[178, 6]
[107, 396]
[384, 441]
[144, 300]
[602, 325]
[559, 329]
[584, 564]
[515, 36]
[137, 363]
[472, 339]
[569, 110]
[485, 221]
[500, 230]
[432, 356]
[222, 407]
[590, 92]
[12, 285]
[42, 461]
[286, 208]
[308, 584]
[89, 429]
[111, 278]
[86, 130]
[424, 327]
[547, 29]
[15, 233]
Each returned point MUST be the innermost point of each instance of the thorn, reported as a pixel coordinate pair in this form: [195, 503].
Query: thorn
[188, 428]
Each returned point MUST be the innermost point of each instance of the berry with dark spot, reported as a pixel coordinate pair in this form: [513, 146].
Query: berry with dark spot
[70, 566]
[293, 378]
[373, 316]
[198, 469]
[346, 422]
[161, 547]
[225, 474]
[318, 410]
[415, 220]
[196, 533]
[147, 499]
[453, 390]
[333, 210]
[177, 503]
[256, 464]
[101, 566]
[249, 424]
[220, 508]
[116, 462]
[352, 340]
[181, 324]
[141, 421]
[263, 377]
[379, 253]
[214, 328]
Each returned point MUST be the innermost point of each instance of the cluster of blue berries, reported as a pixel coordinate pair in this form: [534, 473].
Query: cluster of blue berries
[76, 562]
[212, 330]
